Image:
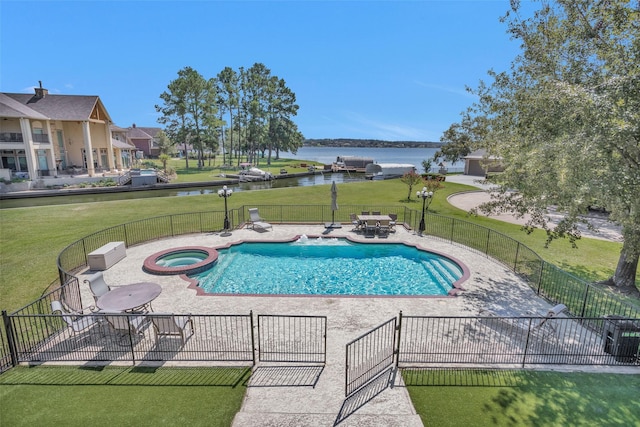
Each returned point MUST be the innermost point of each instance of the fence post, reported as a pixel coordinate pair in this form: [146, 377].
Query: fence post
[515, 259]
[253, 338]
[399, 334]
[584, 301]
[526, 344]
[486, 248]
[453, 223]
[542, 264]
[13, 351]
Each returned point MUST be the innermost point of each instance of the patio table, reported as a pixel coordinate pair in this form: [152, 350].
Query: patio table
[129, 297]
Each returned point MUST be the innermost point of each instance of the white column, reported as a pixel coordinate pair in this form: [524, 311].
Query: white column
[110, 159]
[52, 154]
[29, 150]
[88, 148]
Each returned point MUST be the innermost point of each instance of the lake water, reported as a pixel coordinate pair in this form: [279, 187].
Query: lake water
[414, 156]
[325, 155]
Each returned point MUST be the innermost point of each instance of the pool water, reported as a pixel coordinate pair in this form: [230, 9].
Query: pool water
[181, 258]
[329, 267]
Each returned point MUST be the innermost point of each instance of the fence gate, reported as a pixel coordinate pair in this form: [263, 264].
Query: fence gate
[292, 338]
[369, 355]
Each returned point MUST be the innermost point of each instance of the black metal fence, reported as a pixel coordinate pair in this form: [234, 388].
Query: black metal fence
[584, 300]
[292, 339]
[369, 355]
[517, 341]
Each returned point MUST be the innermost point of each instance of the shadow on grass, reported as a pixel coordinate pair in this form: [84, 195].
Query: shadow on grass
[138, 375]
[510, 397]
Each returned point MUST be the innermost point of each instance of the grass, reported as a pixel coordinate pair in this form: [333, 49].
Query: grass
[31, 238]
[523, 398]
[121, 396]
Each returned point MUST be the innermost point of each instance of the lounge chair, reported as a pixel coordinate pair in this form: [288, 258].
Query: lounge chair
[524, 323]
[166, 324]
[256, 221]
[77, 323]
[97, 285]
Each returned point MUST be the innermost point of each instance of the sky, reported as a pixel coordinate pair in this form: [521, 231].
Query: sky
[387, 70]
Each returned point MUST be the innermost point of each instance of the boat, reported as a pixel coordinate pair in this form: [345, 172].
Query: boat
[250, 173]
[351, 163]
[380, 171]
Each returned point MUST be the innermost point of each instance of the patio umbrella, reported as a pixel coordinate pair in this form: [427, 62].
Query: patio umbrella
[334, 204]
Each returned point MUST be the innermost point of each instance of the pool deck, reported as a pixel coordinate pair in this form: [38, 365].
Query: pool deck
[490, 286]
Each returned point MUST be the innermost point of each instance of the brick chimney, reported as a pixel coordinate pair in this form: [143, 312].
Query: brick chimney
[40, 91]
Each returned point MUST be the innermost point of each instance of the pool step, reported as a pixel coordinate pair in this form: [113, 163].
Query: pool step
[223, 262]
[440, 272]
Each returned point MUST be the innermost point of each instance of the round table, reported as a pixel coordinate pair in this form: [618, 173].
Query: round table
[129, 297]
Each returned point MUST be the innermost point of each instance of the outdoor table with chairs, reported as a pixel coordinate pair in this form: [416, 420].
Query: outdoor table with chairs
[129, 298]
[375, 223]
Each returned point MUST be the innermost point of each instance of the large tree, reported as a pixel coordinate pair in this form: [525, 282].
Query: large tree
[566, 120]
[190, 110]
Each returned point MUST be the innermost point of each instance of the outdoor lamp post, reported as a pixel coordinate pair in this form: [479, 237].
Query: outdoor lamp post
[226, 193]
[426, 195]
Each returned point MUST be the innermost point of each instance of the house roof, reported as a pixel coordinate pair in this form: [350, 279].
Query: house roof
[122, 145]
[479, 155]
[52, 107]
[143, 132]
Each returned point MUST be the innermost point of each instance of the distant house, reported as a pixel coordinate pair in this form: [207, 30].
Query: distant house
[479, 163]
[124, 151]
[43, 135]
[145, 139]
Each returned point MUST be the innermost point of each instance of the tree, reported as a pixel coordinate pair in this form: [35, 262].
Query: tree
[228, 100]
[190, 109]
[164, 143]
[566, 120]
[411, 179]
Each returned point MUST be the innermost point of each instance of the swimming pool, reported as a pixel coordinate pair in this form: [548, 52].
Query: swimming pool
[330, 267]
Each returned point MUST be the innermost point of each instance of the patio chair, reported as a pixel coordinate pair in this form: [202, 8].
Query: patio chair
[166, 324]
[394, 219]
[384, 227]
[126, 325]
[355, 221]
[256, 221]
[375, 213]
[370, 227]
[364, 213]
[77, 323]
[97, 285]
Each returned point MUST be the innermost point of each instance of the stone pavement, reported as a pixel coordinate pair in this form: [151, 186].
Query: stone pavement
[490, 285]
[604, 229]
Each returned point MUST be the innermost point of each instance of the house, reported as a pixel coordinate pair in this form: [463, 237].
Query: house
[124, 151]
[479, 163]
[144, 138]
[44, 135]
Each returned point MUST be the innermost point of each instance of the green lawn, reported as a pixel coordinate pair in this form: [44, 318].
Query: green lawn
[121, 396]
[31, 239]
[524, 398]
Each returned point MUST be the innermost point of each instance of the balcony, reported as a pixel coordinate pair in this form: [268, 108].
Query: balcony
[12, 137]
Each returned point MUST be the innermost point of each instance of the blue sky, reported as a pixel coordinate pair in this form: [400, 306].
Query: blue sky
[393, 70]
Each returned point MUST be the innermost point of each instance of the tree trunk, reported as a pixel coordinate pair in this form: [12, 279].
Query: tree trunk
[625, 275]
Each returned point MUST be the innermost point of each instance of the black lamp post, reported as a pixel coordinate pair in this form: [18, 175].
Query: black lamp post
[226, 193]
[426, 195]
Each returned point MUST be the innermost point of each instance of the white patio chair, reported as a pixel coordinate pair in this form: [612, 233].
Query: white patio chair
[166, 324]
[97, 285]
[256, 221]
[77, 323]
